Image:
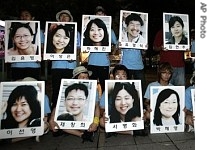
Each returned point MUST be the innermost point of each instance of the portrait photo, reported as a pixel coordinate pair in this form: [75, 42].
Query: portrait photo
[96, 33]
[22, 41]
[133, 30]
[176, 31]
[60, 41]
[22, 109]
[167, 104]
[76, 103]
[123, 105]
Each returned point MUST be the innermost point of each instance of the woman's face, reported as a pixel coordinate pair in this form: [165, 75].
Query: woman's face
[96, 33]
[176, 29]
[169, 106]
[120, 75]
[123, 102]
[23, 38]
[75, 102]
[60, 40]
[21, 110]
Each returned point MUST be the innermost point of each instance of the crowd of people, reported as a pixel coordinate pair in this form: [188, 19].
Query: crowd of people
[124, 100]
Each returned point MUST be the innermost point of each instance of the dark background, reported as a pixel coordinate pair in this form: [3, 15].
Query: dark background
[45, 10]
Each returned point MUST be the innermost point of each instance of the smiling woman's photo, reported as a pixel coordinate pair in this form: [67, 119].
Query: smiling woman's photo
[22, 36]
[60, 39]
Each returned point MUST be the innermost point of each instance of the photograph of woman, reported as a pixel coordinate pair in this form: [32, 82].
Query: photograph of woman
[126, 103]
[75, 103]
[23, 103]
[168, 108]
[60, 38]
[97, 31]
[22, 36]
[23, 108]
[176, 29]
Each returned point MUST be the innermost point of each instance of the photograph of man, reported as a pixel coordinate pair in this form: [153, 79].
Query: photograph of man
[176, 29]
[75, 102]
[133, 28]
[167, 106]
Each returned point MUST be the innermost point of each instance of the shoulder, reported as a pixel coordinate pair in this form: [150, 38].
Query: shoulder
[12, 51]
[65, 116]
[35, 123]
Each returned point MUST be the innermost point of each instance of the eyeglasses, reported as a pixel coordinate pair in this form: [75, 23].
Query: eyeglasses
[74, 99]
[19, 37]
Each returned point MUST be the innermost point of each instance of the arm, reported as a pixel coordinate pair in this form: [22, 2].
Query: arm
[93, 127]
[53, 124]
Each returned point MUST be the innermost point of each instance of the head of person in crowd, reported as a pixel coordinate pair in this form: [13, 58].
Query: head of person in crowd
[100, 11]
[23, 108]
[76, 96]
[26, 14]
[134, 23]
[96, 33]
[176, 28]
[64, 16]
[164, 72]
[167, 108]
[120, 72]
[22, 37]
[60, 39]
[125, 103]
[81, 72]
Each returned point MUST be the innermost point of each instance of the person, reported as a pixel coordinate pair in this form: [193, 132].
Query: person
[175, 58]
[22, 36]
[132, 59]
[76, 96]
[119, 72]
[62, 68]
[193, 48]
[176, 28]
[133, 31]
[167, 108]
[20, 70]
[125, 103]
[79, 72]
[189, 114]
[96, 33]
[23, 108]
[60, 39]
[164, 74]
[98, 62]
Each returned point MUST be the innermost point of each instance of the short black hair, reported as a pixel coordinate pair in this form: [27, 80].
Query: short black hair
[120, 67]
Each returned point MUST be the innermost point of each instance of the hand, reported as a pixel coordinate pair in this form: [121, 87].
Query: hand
[93, 127]
[53, 125]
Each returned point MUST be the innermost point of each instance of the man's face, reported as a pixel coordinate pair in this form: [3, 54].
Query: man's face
[133, 28]
[64, 18]
[120, 75]
[26, 15]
